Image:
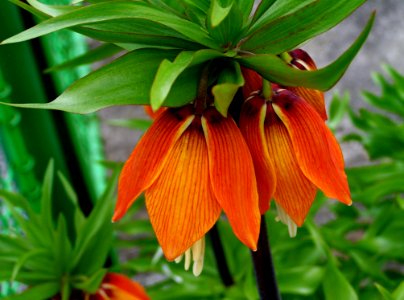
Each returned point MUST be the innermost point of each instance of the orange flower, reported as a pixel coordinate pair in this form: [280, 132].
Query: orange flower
[190, 167]
[294, 152]
[118, 287]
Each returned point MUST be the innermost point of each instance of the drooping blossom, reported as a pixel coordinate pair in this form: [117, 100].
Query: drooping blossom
[191, 166]
[118, 287]
[293, 150]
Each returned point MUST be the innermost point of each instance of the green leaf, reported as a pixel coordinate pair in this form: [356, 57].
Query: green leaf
[338, 109]
[46, 199]
[385, 293]
[102, 52]
[62, 248]
[217, 13]
[125, 81]
[289, 31]
[230, 80]
[262, 8]
[51, 10]
[168, 72]
[24, 258]
[95, 237]
[39, 292]
[92, 283]
[336, 286]
[274, 69]
[112, 11]
[302, 280]
[399, 292]
[268, 11]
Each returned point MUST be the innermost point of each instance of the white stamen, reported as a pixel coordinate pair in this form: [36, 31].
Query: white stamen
[187, 259]
[196, 253]
[178, 259]
[285, 219]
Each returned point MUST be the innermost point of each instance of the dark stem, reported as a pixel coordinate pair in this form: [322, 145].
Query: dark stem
[220, 257]
[201, 98]
[264, 267]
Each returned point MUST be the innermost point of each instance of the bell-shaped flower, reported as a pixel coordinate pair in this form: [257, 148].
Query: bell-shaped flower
[293, 150]
[118, 287]
[190, 168]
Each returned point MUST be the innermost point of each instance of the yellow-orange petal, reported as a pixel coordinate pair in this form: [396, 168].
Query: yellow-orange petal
[120, 287]
[251, 125]
[181, 203]
[335, 150]
[148, 157]
[311, 145]
[232, 176]
[314, 97]
[294, 192]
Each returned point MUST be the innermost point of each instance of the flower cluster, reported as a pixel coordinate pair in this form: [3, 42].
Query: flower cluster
[193, 163]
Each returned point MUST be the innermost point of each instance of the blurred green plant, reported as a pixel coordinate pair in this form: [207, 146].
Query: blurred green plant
[340, 253]
[43, 256]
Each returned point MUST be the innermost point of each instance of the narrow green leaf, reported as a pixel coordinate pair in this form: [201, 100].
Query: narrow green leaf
[102, 52]
[230, 80]
[338, 109]
[125, 81]
[92, 283]
[51, 10]
[287, 32]
[46, 198]
[92, 231]
[383, 292]
[262, 8]
[116, 10]
[399, 291]
[23, 259]
[268, 11]
[169, 71]
[336, 286]
[273, 68]
[217, 13]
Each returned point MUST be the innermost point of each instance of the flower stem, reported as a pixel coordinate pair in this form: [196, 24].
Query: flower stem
[264, 268]
[220, 257]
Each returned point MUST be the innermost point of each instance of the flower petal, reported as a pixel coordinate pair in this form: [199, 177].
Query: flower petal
[148, 157]
[232, 175]
[253, 82]
[123, 288]
[251, 122]
[181, 204]
[314, 97]
[311, 144]
[294, 192]
[302, 61]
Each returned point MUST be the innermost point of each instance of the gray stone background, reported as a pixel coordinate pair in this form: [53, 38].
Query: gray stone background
[384, 46]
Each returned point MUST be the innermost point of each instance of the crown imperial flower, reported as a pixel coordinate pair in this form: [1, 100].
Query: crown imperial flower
[191, 167]
[294, 152]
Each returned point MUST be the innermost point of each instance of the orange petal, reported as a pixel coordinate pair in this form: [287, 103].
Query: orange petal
[123, 288]
[311, 144]
[294, 192]
[181, 204]
[302, 61]
[314, 97]
[148, 157]
[153, 114]
[251, 123]
[253, 82]
[232, 175]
